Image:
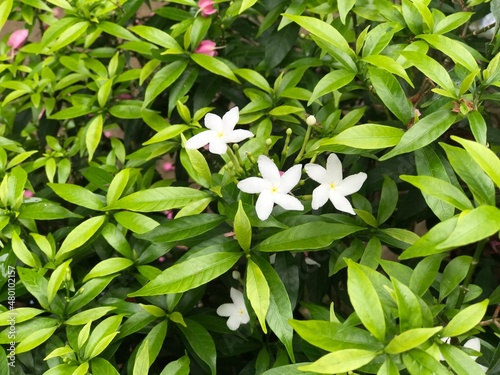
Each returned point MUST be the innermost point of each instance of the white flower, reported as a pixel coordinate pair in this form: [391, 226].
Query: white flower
[272, 187]
[221, 132]
[473, 344]
[332, 185]
[236, 311]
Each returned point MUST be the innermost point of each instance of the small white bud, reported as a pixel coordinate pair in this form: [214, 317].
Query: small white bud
[311, 120]
[236, 275]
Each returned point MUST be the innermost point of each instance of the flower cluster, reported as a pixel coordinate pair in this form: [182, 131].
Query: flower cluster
[274, 187]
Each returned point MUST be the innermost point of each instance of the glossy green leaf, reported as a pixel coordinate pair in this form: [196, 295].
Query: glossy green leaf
[473, 226]
[88, 292]
[478, 126]
[156, 36]
[254, 78]
[141, 363]
[197, 167]
[341, 361]
[289, 370]
[167, 133]
[201, 343]
[388, 200]
[135, 222]
[409, 310]
[410, 339]
[466, 319]
[419, 362]
[163, 79]
[392, 94]
[257, 291]
[425, 131]
[367, 137]
[424, 273]
[386, 63]
[5, 9]
[451, 22]
[80, 235]
[56, 279]
[102, 335]
[452, 48]
[453, 274]
[330, 82]
[35, 339]
[182, 228]
[178, 367]
[22, 314]
[242, 228]
[158, 199]
[365, 301]
[189, 274]
[214, 65]
[89, 315]
[308, 236]
[78, 195]
[459, 361]
[108, 267]
[71, 112]
[487, 160]
[93, 135]
[22, 252]
[69, 35]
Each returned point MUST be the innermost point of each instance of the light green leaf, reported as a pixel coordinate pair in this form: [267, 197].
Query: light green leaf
[365, 301]
[330, 82]
[386, 63]
[423, 132]
[189, 274]
[410, 339]
[466, 319]
[242, 228]
[108, 267]
[56, 279]
[201, 342]
[179, 367]
[135, 222]
[254, 78]
[308, 236]
[214, 65]
[459, 361]
[167, 133]
[419, 362]
[196, 166]
[388, 200]
[89, 315]
[69, 35]
[477, 126]
[93, 135]
[366, 137]
[163, 79]
[158, 199]
[345, 7]
[156, 36]
[141, 363]
[453, 274]
[257, 291]
[35, 339]
[78, 195]
[409, 310]
[80, 235]
[341, 361]
[22, 252]
[451, 22]
[5, 9]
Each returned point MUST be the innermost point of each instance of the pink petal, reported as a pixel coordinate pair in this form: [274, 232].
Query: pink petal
[17, 38]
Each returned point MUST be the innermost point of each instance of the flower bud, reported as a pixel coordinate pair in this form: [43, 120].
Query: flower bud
[311, 120]
[17, 38]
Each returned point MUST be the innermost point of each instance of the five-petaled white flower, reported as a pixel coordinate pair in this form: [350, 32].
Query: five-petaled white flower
[221, 132]
[332, 186]
[236, 311]
[273, 187]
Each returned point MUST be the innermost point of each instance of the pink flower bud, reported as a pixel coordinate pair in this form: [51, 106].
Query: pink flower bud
[169, 214]
[28, 194]
[161, 259]
[167, 167]
[108, 134]
[17, 38]
[206, 7]
[207, 47]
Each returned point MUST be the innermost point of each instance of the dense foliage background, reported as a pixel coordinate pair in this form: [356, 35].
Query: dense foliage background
[129, 239]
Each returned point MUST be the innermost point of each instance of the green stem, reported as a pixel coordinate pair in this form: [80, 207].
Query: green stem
[470, 273]
[233, 158]
[304, 144]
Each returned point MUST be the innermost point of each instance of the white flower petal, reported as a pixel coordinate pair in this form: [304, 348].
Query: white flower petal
[290, 179]
[317, 173]
[244, 318]
[199, 140]
[213, 122]
[264, 205]
[253, 185]
[473, 344]
[237, 297]
[237, 135]
[287, 202]
[351, 184]
[340, 202]
[320, 196]
[226, 309]
[311, 262]
[269, 170]
[334, 168]
[233, 323]
[217, 146]
[230, 119]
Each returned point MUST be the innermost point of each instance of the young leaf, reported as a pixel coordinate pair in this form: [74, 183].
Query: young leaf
[477, 126]
[466, 319]
[214, 65]
[56, 279]
[163, 79]
[460, 362]
[242, 228]
[341, 361]
[330, 82]
[257, 291]
[365, 301]
[156, 36]
[22, 252]
[424, 273]
[178, 367]
[410, 339]
[78, 195]
[453, 274]
[200, 342]
[409, 310]
[419, 362]
[108, 267]
[366, 137]
[197, 167]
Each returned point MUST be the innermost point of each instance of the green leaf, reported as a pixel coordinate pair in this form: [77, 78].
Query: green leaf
[78, 195]
[163, 79]
[80, 235]
[201, 342]
[477, 181]
[135, 222]
[101, 366]
[89, 291]
[189, 274]
[432, 69]
[22, 314]
[441, 190]
[386, 63]
[487, 160]
[246, 4]
[141, 363]
[409, 310]
[156, 36]
[257, 291]
[308, 236]
[93, 135]
[254, 78]
[214, 65]
[423, 132]
[460, 362]
[117, 185]
[116, 30]
[5, 9]
[289, 370]
[56, 279]
[182, 228]
[167, 133]
[453, 274]
[451, 22]
[388, 368]
[35, 339]
[69, 35]
[158, 199]
[450, 47]
[371, 255]
[419, 362]
[424, 273]
[71, 112]
[366, 137]
[473, 226]
[341, 361]
[22, 252]
[466, 319]
[89, 315]
[477, 126]
[108, 267]
[410, 339]
[101, 336]
[242, 228]
[197, 167]
[330, 82]
[388, 200]
[179, 367]
[365, 301]
[391, 93]
[345, 7]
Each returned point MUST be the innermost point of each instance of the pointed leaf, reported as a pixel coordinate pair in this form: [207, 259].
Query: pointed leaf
[257, 291]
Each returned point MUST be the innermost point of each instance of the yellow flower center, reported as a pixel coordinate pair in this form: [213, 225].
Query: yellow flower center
[332, 185]
[274, 189]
